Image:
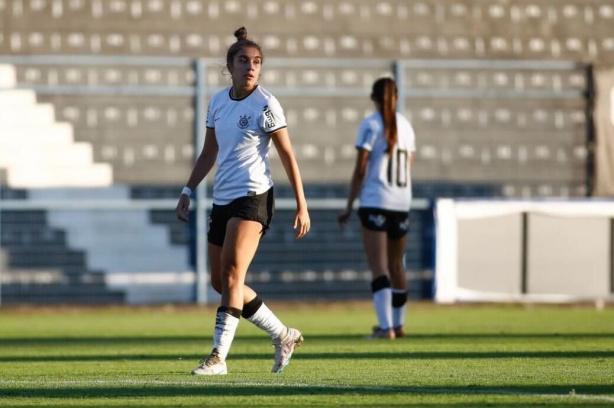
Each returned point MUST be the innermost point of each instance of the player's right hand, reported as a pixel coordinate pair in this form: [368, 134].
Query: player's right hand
[183, 207]
[344, 217]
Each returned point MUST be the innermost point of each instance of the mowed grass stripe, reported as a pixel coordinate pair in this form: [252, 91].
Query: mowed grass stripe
[152, 383]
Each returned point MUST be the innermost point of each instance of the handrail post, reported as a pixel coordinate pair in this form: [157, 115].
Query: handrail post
[201, 190]
[398, 68]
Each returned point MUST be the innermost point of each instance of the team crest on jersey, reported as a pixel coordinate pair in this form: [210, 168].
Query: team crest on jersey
[243, 121]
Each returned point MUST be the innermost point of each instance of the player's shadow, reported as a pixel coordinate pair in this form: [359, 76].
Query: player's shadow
[349, 354]
[198, 387]
[127, 340]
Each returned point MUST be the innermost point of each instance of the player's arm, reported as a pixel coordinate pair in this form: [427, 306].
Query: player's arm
[203, 166]
[358, 176]
[281, 139]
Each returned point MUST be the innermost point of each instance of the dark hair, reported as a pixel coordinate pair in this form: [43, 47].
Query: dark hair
[385, 93]
[242, 41]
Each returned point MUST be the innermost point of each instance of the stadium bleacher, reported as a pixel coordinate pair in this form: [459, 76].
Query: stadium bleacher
[367, 28]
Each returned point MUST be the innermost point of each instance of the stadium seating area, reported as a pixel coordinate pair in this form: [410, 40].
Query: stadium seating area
[38, 265]
[460, 139]
[35, 150]
[49, 257]
[474, 139]
[551, 29]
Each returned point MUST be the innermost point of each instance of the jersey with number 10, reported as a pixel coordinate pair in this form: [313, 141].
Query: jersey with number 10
[387, 184]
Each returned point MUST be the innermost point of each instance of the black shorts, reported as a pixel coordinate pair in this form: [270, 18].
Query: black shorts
[253, 208]
[394, 223]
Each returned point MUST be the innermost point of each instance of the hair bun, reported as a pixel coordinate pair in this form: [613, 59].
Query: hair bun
[241, 34]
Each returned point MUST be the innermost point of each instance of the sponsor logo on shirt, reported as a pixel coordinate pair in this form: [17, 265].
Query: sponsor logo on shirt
[270, 122]
[243, 121]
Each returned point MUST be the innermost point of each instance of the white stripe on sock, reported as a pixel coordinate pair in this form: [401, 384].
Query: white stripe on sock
[382, 300]
[224, 334]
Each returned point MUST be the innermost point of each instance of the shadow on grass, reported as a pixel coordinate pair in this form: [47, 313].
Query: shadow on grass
[207, 388]
[349, 355]
[104, 340]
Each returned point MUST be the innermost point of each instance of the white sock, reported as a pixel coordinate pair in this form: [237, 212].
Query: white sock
[398, 313]
[382, 300]
[266, 320]
[224, 334]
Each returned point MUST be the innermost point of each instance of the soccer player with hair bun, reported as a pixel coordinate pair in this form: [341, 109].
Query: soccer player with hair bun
[242, 121]
[382, 176]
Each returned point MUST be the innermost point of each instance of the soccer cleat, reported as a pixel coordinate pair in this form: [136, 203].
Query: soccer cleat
[399, 332]
[212, 365]
[284, 347]
[379, 333]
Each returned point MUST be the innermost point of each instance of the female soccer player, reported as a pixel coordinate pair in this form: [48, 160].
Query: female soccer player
[242, 120]
[385, 144]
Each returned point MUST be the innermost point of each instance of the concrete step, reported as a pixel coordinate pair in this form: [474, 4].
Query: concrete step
[60, 294]
[135, 259]
[28, 134]
[27, 114]
[49, 155]
[63, 175]
[120, 240]
[114, 192]
[13, 97]
[8, 76]
[51, 276]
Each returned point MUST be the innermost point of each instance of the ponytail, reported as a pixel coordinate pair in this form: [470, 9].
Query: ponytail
[385, 95]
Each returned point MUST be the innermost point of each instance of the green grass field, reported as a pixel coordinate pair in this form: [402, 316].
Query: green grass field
[502, 356]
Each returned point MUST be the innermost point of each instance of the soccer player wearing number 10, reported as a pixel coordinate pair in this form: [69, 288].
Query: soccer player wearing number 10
[386, 145]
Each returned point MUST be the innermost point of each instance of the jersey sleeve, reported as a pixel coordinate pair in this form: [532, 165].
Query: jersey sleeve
[366, 136]
[210, 122]
[272, 118]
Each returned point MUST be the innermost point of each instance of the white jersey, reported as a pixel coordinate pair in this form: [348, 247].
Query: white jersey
[242, 130]
[387, 184]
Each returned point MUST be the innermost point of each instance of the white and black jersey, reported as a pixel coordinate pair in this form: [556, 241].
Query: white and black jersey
[242, 130]
[387, 184]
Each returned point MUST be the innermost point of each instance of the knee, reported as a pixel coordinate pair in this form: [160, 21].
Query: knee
[230, 277]
[216, 284]
[396, 268]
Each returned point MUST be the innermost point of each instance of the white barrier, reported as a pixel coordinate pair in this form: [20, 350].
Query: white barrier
[510, 251]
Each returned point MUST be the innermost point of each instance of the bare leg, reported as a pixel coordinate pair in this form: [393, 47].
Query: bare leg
[375, 243]
[377, 253]
[240, 245]
[396, 250]
[254, 310]
[215, 266]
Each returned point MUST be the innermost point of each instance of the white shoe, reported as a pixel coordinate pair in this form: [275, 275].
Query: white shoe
[212, 365]
[284, 347]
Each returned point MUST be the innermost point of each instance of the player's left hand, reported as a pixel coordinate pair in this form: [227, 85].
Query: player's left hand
[302, 223]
